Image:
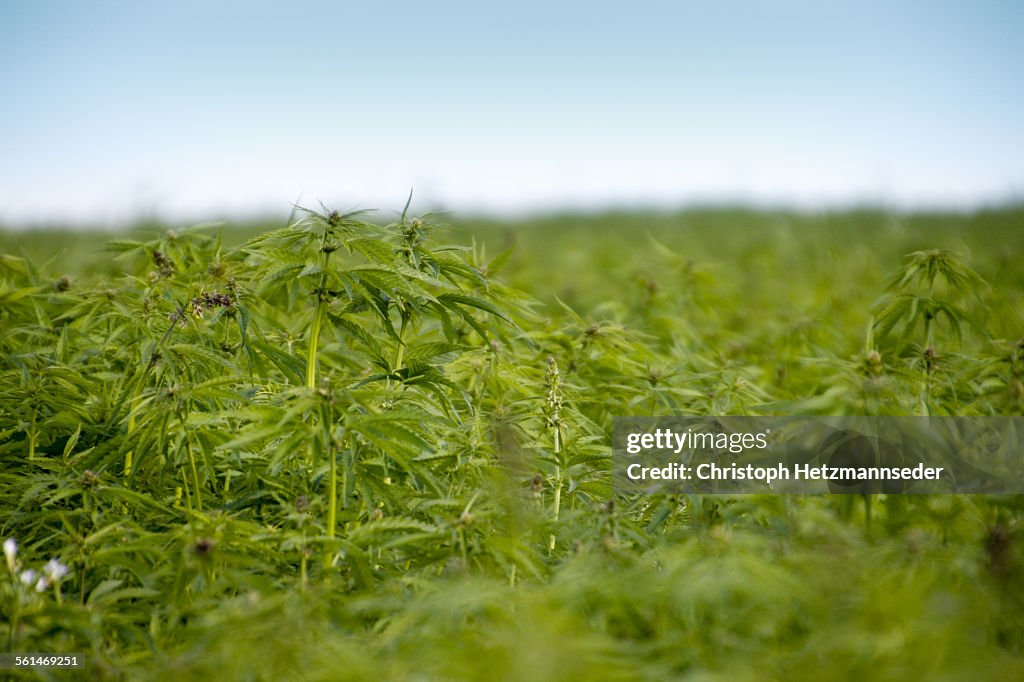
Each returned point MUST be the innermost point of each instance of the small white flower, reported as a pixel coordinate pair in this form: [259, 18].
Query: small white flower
[28, 576]
[11, 552]
[55, 570]
[42, 584]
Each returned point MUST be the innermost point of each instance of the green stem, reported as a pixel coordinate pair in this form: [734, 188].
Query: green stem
[195, 475]
[400, 353]
[558, 492]
[129, 456]
[318, 317]
[332, 504]
[332, 484]
[314, 337]
[558, 480]
[344, 484]
[184, 487]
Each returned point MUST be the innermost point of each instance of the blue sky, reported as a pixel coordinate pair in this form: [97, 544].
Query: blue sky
[200, 110]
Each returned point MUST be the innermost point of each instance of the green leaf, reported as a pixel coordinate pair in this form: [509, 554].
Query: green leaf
[69, 447]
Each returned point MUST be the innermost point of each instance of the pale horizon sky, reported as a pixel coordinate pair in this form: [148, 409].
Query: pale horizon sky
[210, 110]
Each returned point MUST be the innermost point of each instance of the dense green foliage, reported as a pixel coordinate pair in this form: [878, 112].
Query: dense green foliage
[346, 450]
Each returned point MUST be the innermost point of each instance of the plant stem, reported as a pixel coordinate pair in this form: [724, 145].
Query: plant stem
[195, 474]
[129, 456]
[344, 484]
[332, 507]
[184, 487]
[332, 504]
[558, 471]
[314, 337]
[558, 480]
[400, 353]
[329, 449]
[314, 334]
[554, 403]
[318, 316]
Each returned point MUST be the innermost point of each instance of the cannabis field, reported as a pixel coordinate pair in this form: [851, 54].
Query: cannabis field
[348, 448]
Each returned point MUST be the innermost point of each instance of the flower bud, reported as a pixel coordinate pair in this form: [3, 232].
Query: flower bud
[11, 553]
[55, 570]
